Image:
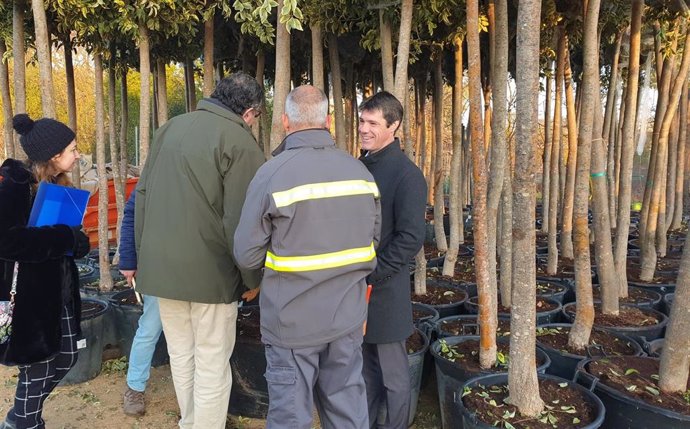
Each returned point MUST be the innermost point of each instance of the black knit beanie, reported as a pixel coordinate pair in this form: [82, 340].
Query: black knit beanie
[42, 139]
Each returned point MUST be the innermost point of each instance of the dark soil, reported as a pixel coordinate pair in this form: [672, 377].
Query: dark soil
[635, 296]
[129, 299]
[414, 342]
[557, 338]
[119, 284]
[431, 251]
[249, 324]
[564, 269]
[437, 295]
[464, 272]
[470, 327]
[641, 381]
[548, 288]
[467, 356]
[543, 305]
[421, 314]
[565, 407]
[664, 265]
[659, 277]
[89, 309]
[627, 317]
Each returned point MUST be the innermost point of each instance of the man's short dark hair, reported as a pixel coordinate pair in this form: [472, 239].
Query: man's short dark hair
[239, 92]
[389, 106]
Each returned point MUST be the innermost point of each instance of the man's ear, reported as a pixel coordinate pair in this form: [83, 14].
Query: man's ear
[286, 122]
[328, 122]
[247, 116]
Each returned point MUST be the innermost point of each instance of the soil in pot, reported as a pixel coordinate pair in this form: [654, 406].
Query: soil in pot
[467, 325]
[439, 295]
[665, 266]
[564, 270]
[637, 377]
[565, 407]
[636, 296]
[414, 342]
[93, 288]
[542, 305]
[557, 338]
[660, 278]
[464, 272]
[628, 317]
[466, 355]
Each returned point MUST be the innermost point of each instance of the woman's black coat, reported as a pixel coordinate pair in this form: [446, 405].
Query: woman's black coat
[44, 271]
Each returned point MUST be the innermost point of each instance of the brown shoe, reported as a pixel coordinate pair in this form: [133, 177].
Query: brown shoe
[133, 404]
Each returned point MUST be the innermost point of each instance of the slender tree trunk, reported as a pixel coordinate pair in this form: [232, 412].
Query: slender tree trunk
[118, 184]
[144, 94]
[548, 145]
[649, 253]
[455, 202]
[19, 75]
[680, 169]
[259, 127]
[440, 173]
[282, 81]
[190, 85]
[506, 242]
[317, 56]
[487, 292]
[584, 317]
[499, 145]
[403, 55]
[620, 256]
[45, 64]
[71, 102]
[431, 155]
[420, 273]
[124, 120]
[421, 121]
[569, 189]
[407, 120]
[611, 101]
[208, 61]
[671, 172]
[337, 85]
[106, 280]
[522, 373]
[162, 91]
[386, 52]
[552, 261]
[8, 131]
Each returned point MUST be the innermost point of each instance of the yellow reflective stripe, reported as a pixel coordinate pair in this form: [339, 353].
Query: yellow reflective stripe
[320, 262]
[315, 191]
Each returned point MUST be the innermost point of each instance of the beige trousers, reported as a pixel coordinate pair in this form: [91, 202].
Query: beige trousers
[200, 340]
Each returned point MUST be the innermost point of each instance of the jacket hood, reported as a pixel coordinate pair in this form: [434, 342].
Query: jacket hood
[16, 171]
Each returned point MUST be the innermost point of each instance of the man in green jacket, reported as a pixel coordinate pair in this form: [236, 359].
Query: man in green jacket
[189, 200]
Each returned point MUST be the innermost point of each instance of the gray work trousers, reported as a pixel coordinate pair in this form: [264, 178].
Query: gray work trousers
[387, 377]
[328, 376]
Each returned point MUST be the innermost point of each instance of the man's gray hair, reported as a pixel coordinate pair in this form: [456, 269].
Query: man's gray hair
[306, 107]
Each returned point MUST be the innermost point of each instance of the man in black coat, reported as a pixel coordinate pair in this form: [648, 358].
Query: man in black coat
[403, 201]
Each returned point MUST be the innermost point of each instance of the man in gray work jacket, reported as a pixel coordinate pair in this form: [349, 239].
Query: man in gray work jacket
[403, 201]
[189, 199]
[311, 218]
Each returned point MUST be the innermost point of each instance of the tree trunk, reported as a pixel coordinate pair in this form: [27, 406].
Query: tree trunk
[403, 56]
[45, 64]
[649, 258]
[124, 119]
[675, 357]
[505, 249]
[118, 184]
[144, 94]
[190, 86]
[8, 131]
[317, 56]
[421, 121]
[455, 201]
[162, 91]
[611, 101]
[420, 273]
[71, 102]
[569, 189]
[407, 121]
[259, 127]
[522, 372]
[673, 137]
[680, 170]
[584, 318]
[628, 149]
[19, 64]
[106, 280]
[386, 52]
[208, 61]
[552, 261]
[548, 145]
[499, 145]
[440, 173]
[337, 85]
[281, 86]
[487, 292]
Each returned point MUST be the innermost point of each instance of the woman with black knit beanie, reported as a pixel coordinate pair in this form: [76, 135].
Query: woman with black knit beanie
[47, 307]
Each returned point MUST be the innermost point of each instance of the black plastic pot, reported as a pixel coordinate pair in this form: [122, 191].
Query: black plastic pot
[654, 348]
[654, 301]
[249, 394]
[638, 333]
[126, 319]
[667, 303]
[93, 317]
[623, 411]
[470, 421]
[416, 366]
[470, 325]
[425, 323]
[445, 310]
[558, 295]
[87, 273]
[563, 364]
[450, 377]
[543, 317]
[662, 288]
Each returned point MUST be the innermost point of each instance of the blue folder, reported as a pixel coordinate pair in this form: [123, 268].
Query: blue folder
[55, 204]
